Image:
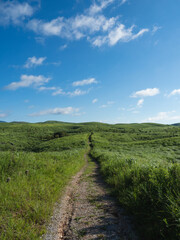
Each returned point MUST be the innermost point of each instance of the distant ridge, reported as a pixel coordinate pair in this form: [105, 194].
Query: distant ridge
[19, 122]
[98, 123]
[176, 124]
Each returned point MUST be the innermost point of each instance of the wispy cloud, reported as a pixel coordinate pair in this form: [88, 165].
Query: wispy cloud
[14, 12]
[63, 47]
[108, 104]
[92, 25]
[95, 100]
[47, 88]
[140, 103]
[27, 81]
[96, 8]
[123, 1]
[3, 115]
[56, 111]
[72, 28]
[40, 40]
[77, 92]
[174, 92]
[155, 29]
[58, 92]
[149, 92]
[164, 117]
[84, 82]
[33, 62]
[117, 34]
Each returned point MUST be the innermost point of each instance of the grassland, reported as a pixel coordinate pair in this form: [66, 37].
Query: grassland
[35, 165]
[141, 162]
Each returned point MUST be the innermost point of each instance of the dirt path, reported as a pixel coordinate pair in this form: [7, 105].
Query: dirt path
[87, 211]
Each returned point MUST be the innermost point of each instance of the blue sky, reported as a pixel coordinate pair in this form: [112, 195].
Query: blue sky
[114, 61]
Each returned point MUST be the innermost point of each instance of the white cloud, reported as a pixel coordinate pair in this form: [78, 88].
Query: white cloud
[119, 33]
[52, 28]
[27, 81]
[40, 40]
[175, 92]
[14, 12]
[47, 88]
[123, 1]
[33, 61]
[94, 8]
[164, 117]
[87, 25]
[58, 92]
[56, 111]
[108, 104]
[58, 63]
[72, 28]
[63, 47]
[3, 115]
[149, 92]
[140, 102]
[155, 29]
[92, 22]
[84, 82]
[95, 100]
[77, 92]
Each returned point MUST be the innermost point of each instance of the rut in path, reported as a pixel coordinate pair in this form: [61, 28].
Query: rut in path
[87, 211]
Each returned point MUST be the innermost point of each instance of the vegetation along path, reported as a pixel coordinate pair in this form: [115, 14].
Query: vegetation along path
[87, 211]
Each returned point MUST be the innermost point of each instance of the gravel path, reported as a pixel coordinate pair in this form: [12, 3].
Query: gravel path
[87, 211]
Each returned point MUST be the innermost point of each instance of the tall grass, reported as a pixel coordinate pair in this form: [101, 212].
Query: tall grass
[31, 182]
[146, 183]
[140, 161]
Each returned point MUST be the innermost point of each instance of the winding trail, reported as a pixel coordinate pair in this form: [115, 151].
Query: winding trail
[87, 210]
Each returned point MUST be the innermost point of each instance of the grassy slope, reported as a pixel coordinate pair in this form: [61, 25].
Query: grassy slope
[141, 161]
[36, 179]
[142, 165]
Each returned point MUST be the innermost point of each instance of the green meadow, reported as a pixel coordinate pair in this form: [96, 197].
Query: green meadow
[140, 162]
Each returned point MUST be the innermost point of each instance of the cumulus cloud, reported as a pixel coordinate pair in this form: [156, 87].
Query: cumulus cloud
[84, 82]
[73, 28]
[14, 12]
[56, 111]
[33, 62]
[175, 92]
[92, 25]
[27, 81]
[95, 100]
[149, 92]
